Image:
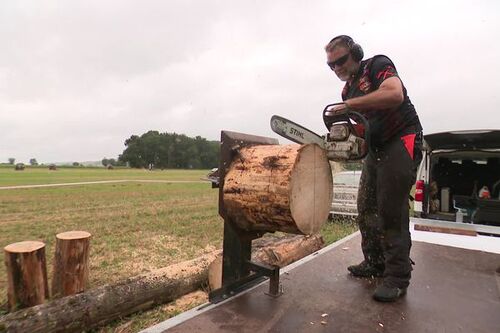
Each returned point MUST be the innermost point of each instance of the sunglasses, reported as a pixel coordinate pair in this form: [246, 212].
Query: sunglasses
[339, 62]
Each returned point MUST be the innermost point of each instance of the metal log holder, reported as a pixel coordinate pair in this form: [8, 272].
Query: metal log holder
[238, 271]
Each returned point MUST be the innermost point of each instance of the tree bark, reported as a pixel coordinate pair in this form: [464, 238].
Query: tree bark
[26, 274]
[104, 304]
[282, 252]
[279, 188]
[99, 306]
[271, 251]
[70, 274]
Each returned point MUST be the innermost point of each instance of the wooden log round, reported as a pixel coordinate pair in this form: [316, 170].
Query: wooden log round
[279, 188]
[96, 307]
[271, 251]
[70, 273]
[26, 274]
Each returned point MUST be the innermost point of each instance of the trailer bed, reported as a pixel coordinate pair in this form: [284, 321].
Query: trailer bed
[452, 290]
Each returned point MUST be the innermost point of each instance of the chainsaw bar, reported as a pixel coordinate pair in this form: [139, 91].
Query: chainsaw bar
[294, 132]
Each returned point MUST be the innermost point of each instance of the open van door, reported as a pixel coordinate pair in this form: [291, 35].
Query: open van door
[455, 167]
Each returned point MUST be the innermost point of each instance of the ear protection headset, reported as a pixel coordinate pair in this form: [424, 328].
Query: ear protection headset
[354, 48]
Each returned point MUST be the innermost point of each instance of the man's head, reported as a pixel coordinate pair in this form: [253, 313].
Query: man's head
[343, 56]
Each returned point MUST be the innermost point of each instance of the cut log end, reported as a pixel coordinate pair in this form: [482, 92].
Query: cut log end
[310, 189]
[70, 235]
[24, 247]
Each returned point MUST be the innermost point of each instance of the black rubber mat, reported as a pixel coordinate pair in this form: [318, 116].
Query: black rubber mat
[452, 290]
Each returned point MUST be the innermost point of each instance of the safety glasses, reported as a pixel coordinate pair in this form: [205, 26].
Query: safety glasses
[339, 62]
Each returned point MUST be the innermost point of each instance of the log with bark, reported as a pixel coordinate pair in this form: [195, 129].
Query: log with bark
[26, 274]
[286, 250]
[279, 188]
[271, 251]
[104, 304]
[71, 269]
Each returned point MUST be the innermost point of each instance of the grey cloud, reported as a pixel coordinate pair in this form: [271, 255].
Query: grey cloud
[78, 77]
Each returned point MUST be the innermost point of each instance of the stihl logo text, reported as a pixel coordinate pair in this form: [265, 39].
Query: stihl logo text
[293, 131]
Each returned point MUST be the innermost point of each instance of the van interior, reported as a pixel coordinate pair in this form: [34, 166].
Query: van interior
[465, 183]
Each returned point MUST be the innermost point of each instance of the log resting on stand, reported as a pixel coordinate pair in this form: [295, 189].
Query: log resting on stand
[279, 188]
[265, 187]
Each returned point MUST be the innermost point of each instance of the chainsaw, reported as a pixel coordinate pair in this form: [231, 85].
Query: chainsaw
[347, 139]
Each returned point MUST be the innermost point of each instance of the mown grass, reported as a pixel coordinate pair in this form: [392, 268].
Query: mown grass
[135, 227]
[42, 175]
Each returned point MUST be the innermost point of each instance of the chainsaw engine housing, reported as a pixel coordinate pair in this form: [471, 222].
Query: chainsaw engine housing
[352, 148]
[339, 132]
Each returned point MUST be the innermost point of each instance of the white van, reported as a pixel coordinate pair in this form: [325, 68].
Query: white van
[345, 193]
[459, 177]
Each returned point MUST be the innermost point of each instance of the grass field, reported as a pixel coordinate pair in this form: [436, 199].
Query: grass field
[42, 175]
[135, 227]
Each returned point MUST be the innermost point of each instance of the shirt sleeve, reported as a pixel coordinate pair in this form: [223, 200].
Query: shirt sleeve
[382, 68]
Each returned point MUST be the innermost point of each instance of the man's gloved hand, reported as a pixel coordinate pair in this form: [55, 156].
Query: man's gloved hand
[336, 109]
[331, 112]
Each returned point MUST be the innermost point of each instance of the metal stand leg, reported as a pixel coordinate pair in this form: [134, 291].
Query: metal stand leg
[273, 272]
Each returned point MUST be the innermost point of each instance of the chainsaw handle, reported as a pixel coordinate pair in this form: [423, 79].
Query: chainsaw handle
[326, 109]
[335, 116]
[344, 116]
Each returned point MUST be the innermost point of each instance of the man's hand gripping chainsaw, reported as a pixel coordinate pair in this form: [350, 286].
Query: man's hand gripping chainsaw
[347, 139]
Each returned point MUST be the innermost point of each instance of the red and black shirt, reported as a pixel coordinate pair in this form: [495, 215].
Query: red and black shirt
[389, 123]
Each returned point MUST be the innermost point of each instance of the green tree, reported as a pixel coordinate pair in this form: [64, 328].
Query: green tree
[33, 161]
[133, 153]
[169, 150]
[12, 160]
[109, 161]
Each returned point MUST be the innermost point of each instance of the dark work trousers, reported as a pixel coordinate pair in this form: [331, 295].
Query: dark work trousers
[383, 208]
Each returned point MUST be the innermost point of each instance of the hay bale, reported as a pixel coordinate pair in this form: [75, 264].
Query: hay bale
[19, 167]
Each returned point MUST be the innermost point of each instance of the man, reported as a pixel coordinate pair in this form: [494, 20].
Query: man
[373, 88]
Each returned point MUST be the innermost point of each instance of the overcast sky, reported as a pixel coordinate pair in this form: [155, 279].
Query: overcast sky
[77, 78]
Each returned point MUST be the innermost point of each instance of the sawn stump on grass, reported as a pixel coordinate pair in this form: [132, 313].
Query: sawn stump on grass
[71, 263]
[26, 274]
[279, 188]
[99, 306]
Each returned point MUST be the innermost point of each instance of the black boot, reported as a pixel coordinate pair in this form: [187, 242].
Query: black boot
[384, 293]
[365, 269]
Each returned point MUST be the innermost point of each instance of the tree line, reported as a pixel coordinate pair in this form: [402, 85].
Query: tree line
[169, 151]
[33, 161]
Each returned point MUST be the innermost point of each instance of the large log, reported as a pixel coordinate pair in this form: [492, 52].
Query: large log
[70, 273]
[26, 274]
[96, 307]
[271, 251]
[279, 188]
